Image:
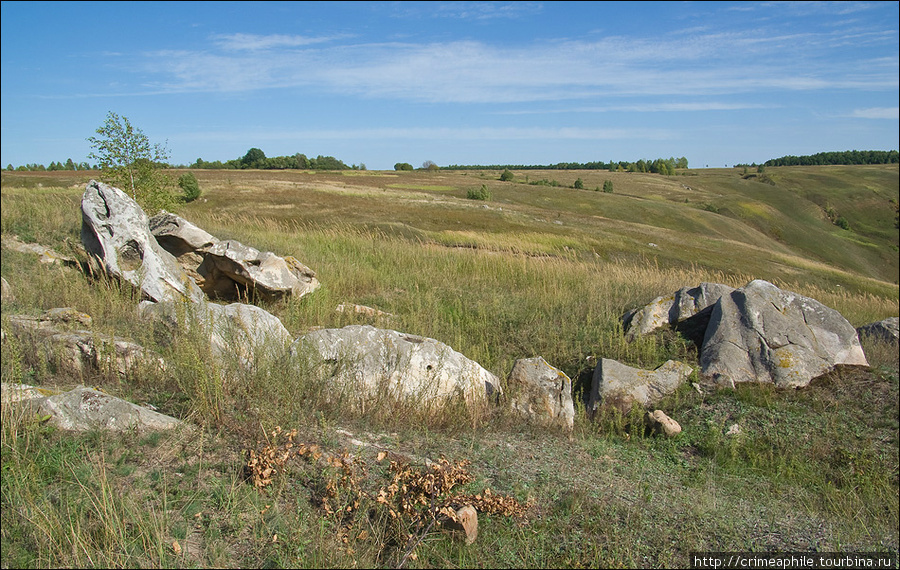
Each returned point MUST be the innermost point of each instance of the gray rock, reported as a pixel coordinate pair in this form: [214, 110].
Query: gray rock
[230, 269]
[237, 329]
[67, 315]
[81, 352]
[887, 330]
[52, 321]
[45, 254]
[84, 409]
[116, 234]
[179, 236]
[688, 309]
[6, 294]
[619, 385]
[14, 393]
[361, 310]
[760, 333]
[543, 393]
[366, 360]
[187, 242]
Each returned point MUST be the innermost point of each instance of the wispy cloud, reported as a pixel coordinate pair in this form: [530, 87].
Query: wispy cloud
[485, 10]
[701, 106]
[254, 42]
[439, 133]
[470, 71]
[877, 113]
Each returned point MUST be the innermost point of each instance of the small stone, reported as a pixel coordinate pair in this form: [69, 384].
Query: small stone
[661, 423]
[466, 523]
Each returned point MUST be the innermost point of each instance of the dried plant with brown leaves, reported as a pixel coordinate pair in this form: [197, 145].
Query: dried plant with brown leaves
[413, 501]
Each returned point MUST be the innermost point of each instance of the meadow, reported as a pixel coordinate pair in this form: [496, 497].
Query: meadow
[538, 269]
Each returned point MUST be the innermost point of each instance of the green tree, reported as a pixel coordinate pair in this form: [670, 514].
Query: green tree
[255, 158]
[189, 185]
[608, 186]
[127, 158]
[404, 166]
[506, 175]
[579, 184]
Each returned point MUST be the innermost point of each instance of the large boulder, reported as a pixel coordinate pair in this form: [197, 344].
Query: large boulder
[231, 269]
[366, 360]
[543, 394]
[887, 330]
[687, 309]
[760, 333]
[618, 385]
[237, 329]
[115, 233]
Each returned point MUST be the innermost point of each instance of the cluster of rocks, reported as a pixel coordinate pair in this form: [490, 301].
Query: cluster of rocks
[757, 333]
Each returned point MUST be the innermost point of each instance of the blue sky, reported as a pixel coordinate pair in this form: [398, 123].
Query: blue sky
[453, 82]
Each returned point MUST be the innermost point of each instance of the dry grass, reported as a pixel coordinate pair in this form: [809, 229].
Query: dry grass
[497, 281]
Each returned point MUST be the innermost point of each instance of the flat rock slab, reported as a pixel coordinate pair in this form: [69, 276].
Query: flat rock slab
[84, 409]
[45, 254]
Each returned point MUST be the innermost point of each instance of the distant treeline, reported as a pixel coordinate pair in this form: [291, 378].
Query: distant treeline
[67, 165]
[660, 165]
[845, 157]
[256, 158]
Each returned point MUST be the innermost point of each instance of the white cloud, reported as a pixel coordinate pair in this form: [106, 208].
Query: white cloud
[253, 42]
[877, 113]
[471, 71]
[702, 106]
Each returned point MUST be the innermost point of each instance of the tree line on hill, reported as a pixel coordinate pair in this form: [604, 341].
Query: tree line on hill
[658, 166]
[846, 157]
[69, 164]
[257, 159]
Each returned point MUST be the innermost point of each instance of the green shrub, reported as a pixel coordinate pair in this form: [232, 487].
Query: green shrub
[189, 185]
[608, 186]
[506, 176]
[481, 194]
[579, 184]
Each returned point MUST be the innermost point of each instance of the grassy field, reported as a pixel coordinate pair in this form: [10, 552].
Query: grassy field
[542, 269]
